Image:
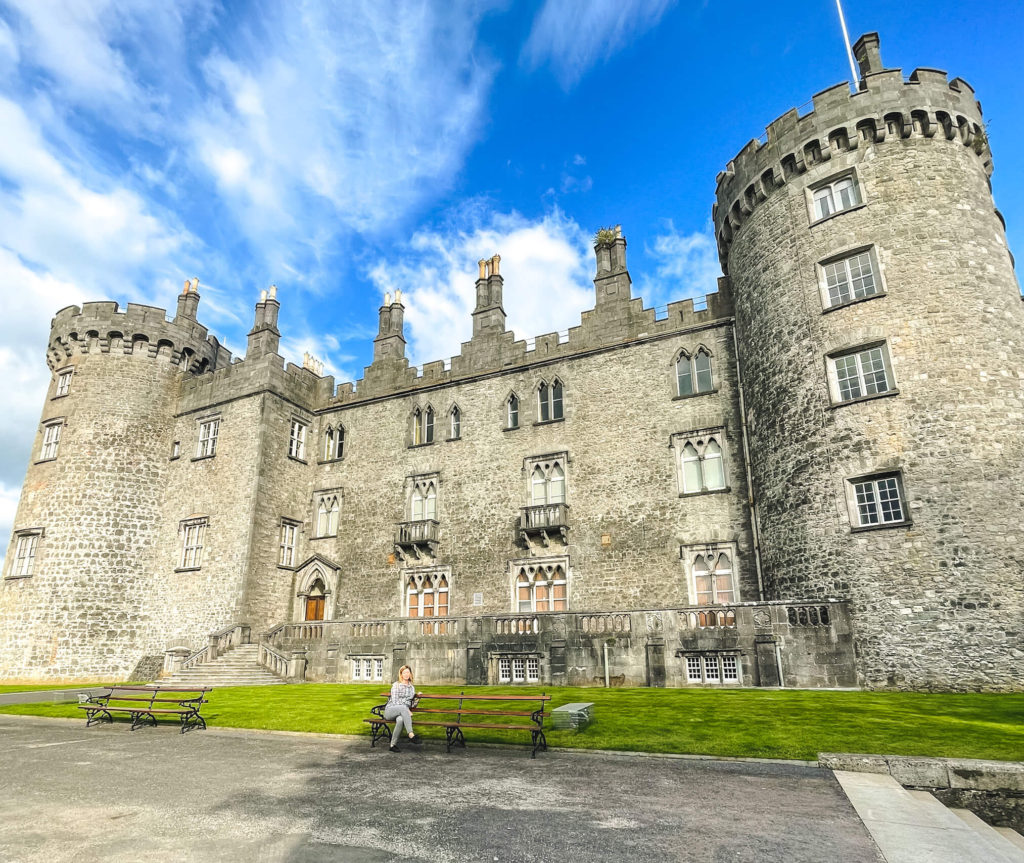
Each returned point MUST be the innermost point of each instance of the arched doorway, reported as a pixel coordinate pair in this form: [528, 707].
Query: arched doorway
[315, 601]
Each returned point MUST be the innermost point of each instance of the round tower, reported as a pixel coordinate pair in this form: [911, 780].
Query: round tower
[879, 324]
[78, 575]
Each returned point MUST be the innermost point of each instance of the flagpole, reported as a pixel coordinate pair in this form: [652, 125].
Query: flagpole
[846, 39]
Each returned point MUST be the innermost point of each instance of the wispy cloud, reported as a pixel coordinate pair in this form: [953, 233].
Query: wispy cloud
[573, 37]
[545, 264]
[685, 265]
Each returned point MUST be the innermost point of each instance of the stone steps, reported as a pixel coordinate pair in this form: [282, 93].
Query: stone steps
[915, 827]
[236, 667]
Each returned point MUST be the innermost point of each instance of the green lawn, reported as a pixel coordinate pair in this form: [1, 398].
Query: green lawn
[34, 687]
[738, 722]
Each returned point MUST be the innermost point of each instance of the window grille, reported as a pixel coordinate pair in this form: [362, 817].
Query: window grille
[51, 440]
[879, 501]
[208, 438]
[297, 440]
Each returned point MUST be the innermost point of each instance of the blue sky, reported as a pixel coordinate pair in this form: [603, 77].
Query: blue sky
[343, 149]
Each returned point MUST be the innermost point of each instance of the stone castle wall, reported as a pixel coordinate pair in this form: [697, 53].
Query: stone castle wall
[937, 602]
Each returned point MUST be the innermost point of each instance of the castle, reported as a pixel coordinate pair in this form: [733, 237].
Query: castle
[811, 479]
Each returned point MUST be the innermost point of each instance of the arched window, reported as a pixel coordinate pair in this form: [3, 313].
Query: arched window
[455, 423]
[547, 483]
[713, 579]
[541, 588]
[701, 463]
[549, 401]
[426, 595]
[424, 501]
[334, 443]
[423, 426]
[327, 515]
[693, 374]
[512, 411]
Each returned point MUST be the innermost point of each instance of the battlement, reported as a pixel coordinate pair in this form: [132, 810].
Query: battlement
[102, 327]
[887, 107]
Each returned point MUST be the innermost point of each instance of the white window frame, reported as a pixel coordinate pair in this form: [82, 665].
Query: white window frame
[334, 443]
[867, 361]
[871, 494]
[209, 429]
[532, 669]
[695, 454]
[512, 407]
[175, 449]
[550, 574]
[699, 372]
[289, 539]
[423, 493]
[709, 669]
[835, 195]
[423, 426]
[367, 669]
[845, 271]
[25, 553]
[51, 439]
[297, 439]
[504, 669]
[64, 382]
[327, 512]
[547, 478]
[193, 534]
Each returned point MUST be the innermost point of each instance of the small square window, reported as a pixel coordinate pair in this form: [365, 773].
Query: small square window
[861, 373]
[176, 449]
[730, 669]
[693, 669]
[879, 501]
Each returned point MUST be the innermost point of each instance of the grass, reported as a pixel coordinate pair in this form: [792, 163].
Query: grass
[739, 723]
[35, 687]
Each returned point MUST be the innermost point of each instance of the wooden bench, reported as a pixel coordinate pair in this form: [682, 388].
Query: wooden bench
[146, 703]
[452, 718]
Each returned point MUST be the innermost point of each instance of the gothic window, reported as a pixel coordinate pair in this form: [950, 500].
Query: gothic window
[25, 547]
[51, 439]
[549, 401]
[328, 505]
[422, 426]
[297, 439]
[879, 501]
[849, 278]
[289, 533]
[334, 443]
[693, 374]
[541, 587]
[713, 578]
[426, 595]
[454, 423]
[547, 481]
[701, 462]
[835, 196]
[861, 372]
[208, 431]
[192, 532]
[63, 382]
[512, 411]
[423, 502]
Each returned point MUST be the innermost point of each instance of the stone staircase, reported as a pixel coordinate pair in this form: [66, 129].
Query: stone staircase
[237, 666]
[915, 827]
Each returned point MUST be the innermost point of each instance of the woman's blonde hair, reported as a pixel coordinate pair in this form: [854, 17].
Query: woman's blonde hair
[411, 675]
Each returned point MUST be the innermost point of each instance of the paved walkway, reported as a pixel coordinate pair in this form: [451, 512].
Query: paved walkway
[69, 793]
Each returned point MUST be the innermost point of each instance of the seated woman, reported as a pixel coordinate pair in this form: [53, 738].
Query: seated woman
[399, 707]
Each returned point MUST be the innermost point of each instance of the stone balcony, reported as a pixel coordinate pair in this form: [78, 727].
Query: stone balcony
[794, 644]
[543, 522]
[415, 540]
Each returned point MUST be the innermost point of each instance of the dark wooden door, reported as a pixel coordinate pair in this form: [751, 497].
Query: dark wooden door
[314, 608]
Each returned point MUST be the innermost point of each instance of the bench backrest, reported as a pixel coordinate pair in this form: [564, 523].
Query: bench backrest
[476, 705]
[154, 694]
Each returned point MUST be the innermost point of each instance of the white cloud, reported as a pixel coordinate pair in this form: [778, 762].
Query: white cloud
[686, 265]
[350, 116]
[573, 36]
[545, 264]
[8, 506]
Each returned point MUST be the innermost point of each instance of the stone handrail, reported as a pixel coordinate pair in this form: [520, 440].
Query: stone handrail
[544, 516]
[412, 532]
[197, 658]
[272, 660]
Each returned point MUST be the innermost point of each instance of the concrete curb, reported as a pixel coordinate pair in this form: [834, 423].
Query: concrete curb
[922, 772]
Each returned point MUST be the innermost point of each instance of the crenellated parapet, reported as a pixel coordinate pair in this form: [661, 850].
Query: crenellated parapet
[105, 328]
[885, 110]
